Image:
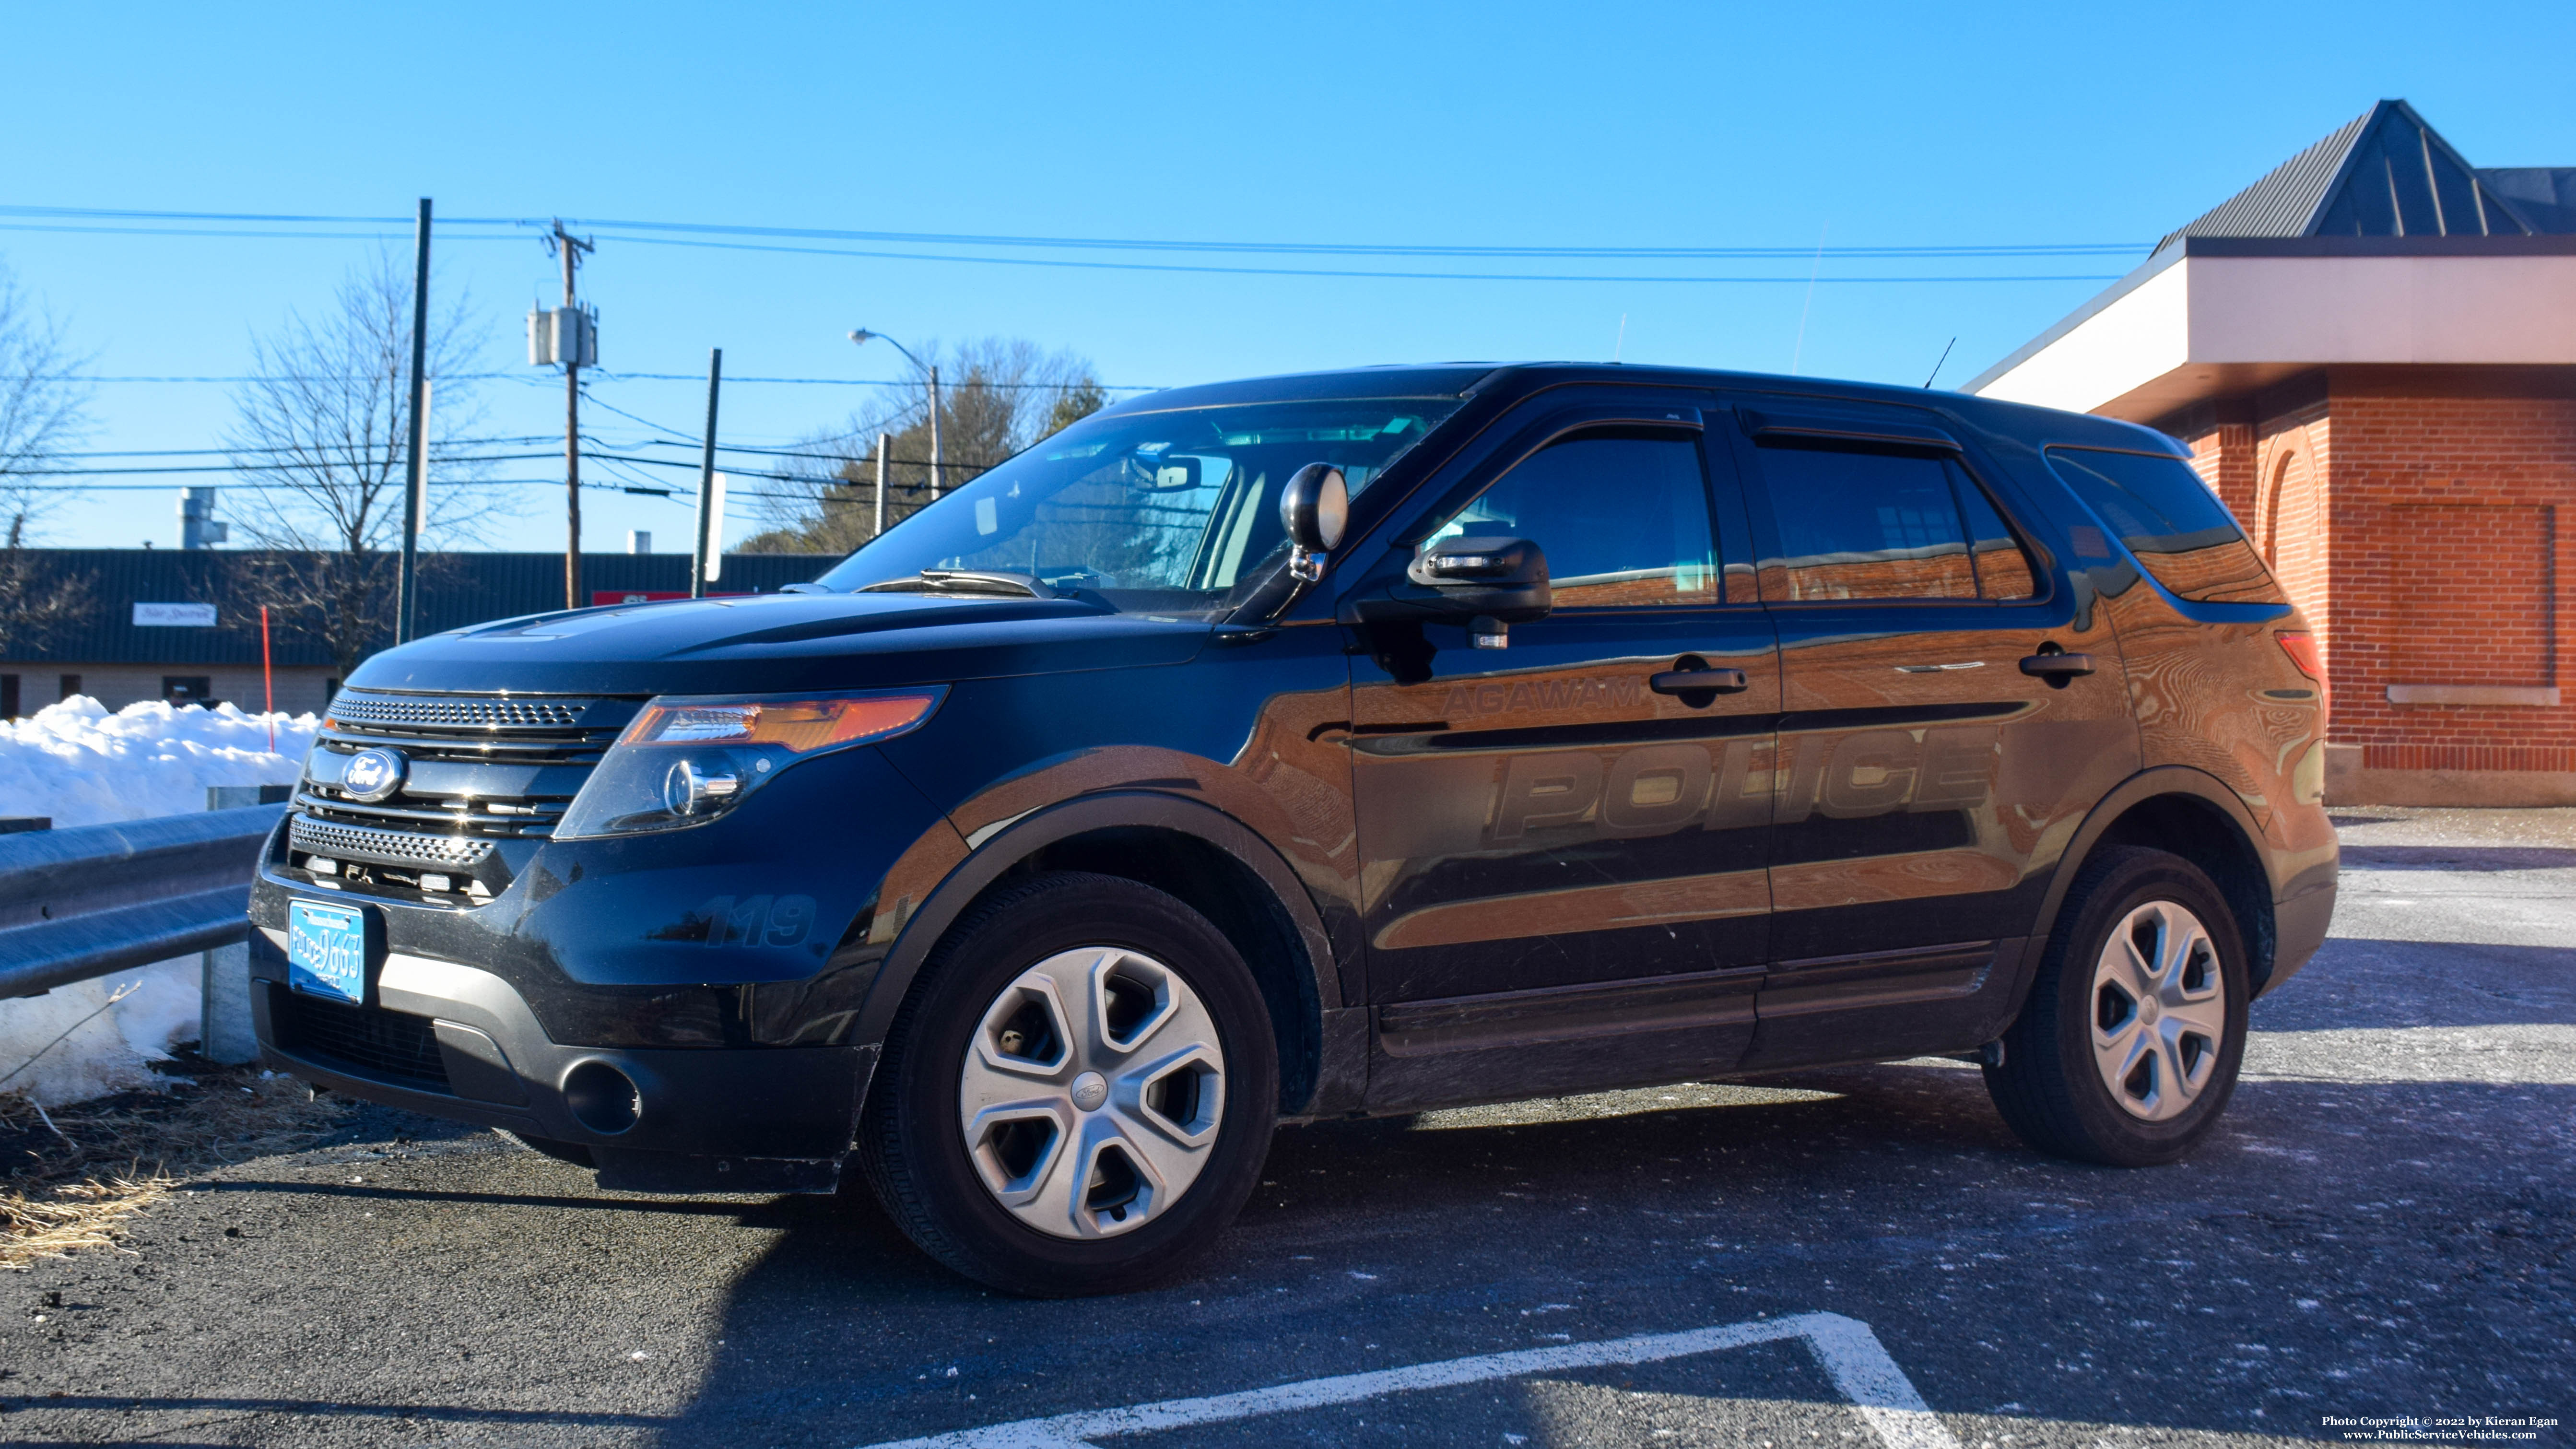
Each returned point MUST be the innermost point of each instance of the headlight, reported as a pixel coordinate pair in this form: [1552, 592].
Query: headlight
[689, 759]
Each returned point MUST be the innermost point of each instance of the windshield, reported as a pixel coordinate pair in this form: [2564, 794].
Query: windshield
[1161, 513]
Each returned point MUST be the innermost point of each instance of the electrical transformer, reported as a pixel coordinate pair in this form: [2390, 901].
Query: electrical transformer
[563, 336]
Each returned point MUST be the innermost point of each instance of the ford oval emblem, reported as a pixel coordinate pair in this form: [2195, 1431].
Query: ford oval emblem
[373, 775]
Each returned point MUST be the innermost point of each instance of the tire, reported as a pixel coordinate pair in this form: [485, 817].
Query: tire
[1113, 1051]
[2116, 1064]
[572, 1152]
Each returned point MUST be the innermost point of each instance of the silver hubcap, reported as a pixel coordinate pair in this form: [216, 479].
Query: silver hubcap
[2159, 1011]
[1092, 1091]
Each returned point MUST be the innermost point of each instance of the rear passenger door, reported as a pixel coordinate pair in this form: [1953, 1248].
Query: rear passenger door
[1937, 745]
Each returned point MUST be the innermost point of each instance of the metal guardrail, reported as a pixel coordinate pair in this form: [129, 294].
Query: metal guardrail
[83, 902]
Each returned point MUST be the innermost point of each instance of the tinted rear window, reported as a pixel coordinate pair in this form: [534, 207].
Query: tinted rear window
[2178, 529]
[1859, 522]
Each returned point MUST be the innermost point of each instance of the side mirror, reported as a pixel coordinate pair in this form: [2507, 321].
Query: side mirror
[1494, 582]
[1314, 508]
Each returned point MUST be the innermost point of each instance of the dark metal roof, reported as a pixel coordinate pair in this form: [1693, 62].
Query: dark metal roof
[2284, 202]
[2383, 173]
[2544, 195]
[457, 589]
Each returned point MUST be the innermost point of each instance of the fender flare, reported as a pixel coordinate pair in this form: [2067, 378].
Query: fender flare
[1108, 809]
[2145, 785]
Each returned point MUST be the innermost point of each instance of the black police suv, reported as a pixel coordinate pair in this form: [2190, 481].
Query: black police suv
[1357, 742]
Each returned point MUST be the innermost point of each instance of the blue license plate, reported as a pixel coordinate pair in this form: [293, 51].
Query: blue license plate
[326, 950]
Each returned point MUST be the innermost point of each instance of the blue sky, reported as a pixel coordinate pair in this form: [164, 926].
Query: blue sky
[1604, 125]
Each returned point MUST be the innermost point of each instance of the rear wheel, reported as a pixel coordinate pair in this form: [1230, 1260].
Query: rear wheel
[1078, 1095]
[2128, 1048]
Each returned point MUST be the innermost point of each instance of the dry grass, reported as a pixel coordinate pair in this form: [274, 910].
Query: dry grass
[69, 1182]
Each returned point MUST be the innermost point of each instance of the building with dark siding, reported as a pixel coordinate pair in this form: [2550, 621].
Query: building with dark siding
[170, 624]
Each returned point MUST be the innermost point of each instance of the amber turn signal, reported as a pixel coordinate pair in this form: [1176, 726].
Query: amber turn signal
[798, 726]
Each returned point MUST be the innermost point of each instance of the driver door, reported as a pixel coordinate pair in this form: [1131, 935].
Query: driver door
[1551, 849]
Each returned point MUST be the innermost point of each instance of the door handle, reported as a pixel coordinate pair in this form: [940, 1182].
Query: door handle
[1699, 681]
[2056, 666]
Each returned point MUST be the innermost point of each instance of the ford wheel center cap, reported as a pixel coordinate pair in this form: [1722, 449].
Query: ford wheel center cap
[373, 775]
[1089, 1091]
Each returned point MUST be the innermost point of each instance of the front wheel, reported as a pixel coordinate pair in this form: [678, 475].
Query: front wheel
[2127, 1050]
[1078, 1094]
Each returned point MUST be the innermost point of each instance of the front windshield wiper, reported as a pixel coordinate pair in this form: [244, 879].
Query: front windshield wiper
[966, 581]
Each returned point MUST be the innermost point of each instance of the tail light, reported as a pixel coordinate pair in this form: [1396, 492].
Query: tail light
[2301, 646]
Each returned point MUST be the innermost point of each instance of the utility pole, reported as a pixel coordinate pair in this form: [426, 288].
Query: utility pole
[407, 582]
[571, 247]
[706, 478]
[885, 445]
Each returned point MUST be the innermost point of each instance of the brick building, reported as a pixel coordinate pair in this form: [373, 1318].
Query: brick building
[167, 623]
[2371, 352]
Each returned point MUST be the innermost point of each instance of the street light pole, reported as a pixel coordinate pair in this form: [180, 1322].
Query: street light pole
[938, 455]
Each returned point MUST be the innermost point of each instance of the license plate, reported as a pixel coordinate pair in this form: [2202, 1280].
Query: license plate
[326, 950]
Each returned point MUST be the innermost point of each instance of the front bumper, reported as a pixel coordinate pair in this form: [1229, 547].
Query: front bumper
[453, 1041]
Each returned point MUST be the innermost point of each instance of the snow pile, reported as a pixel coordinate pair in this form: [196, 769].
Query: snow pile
[81, 765]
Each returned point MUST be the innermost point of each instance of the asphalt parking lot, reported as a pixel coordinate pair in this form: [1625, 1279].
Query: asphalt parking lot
[2383, 1228]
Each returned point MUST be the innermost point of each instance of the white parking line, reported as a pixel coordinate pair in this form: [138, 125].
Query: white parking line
[1850, 1353]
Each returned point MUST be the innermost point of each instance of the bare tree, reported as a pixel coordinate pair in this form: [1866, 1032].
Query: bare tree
[996, 397]
[43, 410]
[39, 598]
[322, 429]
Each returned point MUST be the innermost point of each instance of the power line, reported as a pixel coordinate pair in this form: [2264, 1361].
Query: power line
[106, 213]
[1374, 249]
[1210, 270]
[700, 235]
[556, 482]
[250, 467]
[288, 467]
[918, 238]
[1413, 276]
[258, 468]
[603, 374]
[281, 448]
[672, 434]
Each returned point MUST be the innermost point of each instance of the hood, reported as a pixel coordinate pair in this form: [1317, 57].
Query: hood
[766, 643]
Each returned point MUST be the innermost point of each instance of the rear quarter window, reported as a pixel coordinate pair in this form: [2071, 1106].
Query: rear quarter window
[2178, 529]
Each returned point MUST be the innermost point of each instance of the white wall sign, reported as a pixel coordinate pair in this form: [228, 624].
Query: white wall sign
[174, 616]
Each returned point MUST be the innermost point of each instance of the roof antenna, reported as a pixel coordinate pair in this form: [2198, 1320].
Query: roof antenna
[1616, 347]
[1800, 350]
[1945, 357]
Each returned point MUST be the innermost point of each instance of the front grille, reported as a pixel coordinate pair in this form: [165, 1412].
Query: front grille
[418, 712]
[382, 1046]
[482, 768]
[392, 847]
